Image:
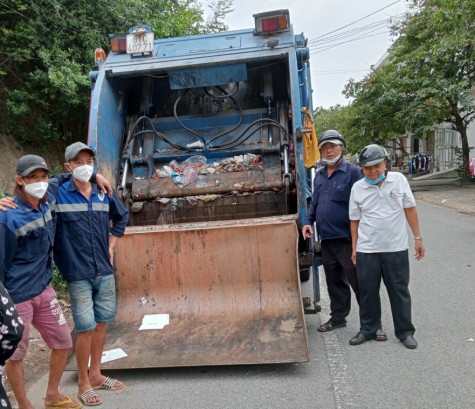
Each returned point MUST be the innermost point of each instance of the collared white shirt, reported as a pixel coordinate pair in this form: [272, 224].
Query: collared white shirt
[380, 211]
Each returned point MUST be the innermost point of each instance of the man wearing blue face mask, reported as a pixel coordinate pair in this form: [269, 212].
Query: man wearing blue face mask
[380, 205]
[83, 252]
[329, 210]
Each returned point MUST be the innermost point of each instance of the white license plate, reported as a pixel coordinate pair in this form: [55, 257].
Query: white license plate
[142, 43]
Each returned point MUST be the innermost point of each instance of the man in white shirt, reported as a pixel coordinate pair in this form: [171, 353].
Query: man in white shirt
[380, 205]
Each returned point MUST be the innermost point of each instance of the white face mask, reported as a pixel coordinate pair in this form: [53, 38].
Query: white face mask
[331, 161]
[37, 189]
[83, 173]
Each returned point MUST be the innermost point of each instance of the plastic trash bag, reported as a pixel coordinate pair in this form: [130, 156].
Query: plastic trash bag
[191, 168]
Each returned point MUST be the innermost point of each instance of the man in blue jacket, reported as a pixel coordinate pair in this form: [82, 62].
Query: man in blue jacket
[89, 223]
[329, 209]
[26, 269]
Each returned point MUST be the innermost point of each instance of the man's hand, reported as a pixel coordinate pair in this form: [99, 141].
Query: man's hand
[111, 255]
[7, 202]
[307, 231]
[104, 184]
[420, 250]
[112, 242]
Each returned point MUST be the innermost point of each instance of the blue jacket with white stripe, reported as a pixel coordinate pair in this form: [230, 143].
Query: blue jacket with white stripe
[26, 246]
[83, 226]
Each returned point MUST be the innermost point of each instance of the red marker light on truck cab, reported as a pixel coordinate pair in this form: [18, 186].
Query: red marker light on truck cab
[139, 40]
[271, 22]
[118, 43]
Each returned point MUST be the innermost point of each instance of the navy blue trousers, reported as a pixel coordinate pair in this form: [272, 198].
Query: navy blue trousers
[340, 274]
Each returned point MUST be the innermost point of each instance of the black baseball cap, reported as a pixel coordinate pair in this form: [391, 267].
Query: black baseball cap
[28, 163]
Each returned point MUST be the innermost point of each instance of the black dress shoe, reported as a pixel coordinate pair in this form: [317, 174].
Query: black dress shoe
[410, 342]
[358, 339]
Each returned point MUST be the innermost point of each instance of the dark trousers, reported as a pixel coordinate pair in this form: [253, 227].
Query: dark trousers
[393, 268]
[340, 274]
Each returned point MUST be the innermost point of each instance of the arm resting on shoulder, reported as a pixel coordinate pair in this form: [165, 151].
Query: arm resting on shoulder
[58, 180]
[103, 183]
[7, 203]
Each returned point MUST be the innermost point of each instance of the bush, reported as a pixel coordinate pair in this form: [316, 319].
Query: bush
[60, 286]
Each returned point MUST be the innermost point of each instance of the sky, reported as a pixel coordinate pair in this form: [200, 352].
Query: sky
[333, 60]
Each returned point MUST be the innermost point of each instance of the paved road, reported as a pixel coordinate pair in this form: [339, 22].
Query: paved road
[439, 374]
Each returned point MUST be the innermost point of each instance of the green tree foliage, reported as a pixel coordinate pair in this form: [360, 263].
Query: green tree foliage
[168, 18]
[215, 22]
[47, 50]
[428, 76]
[378, 109]
[342, 119]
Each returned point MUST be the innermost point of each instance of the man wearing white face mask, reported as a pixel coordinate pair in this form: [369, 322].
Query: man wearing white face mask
[329, 209]
[83, 251]
[26, 247]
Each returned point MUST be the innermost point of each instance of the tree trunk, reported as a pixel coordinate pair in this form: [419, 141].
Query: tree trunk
[402, 148]
[461, 127]
[465, 154]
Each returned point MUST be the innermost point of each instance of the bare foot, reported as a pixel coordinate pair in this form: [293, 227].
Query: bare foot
[29, 406]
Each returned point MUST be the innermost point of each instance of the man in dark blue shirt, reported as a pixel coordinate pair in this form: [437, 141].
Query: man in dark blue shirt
[89, 223]
[329, 209]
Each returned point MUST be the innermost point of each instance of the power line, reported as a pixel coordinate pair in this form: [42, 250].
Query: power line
[335, 72]
[328, 47]
[358, 30]
[353, 37]
[356, 21]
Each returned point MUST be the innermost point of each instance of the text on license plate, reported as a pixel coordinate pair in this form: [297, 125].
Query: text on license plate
[142, 43]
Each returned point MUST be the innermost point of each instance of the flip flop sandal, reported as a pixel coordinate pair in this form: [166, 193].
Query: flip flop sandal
[90, 393]
[329, 326]
[109, 384]
[63, 404]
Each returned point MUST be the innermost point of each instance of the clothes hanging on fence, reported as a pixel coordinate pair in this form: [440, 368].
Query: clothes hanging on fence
[420, 162]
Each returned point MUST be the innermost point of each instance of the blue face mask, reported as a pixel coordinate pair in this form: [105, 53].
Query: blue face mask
[375, 182]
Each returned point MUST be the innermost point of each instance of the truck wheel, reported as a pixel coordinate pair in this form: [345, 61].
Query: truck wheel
[304, 274]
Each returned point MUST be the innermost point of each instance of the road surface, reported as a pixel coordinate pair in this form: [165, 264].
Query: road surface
[440, 373]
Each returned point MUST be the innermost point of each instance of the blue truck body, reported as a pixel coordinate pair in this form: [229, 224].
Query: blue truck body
[230, 104]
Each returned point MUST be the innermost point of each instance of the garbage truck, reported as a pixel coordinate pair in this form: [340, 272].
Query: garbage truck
[209, 140]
